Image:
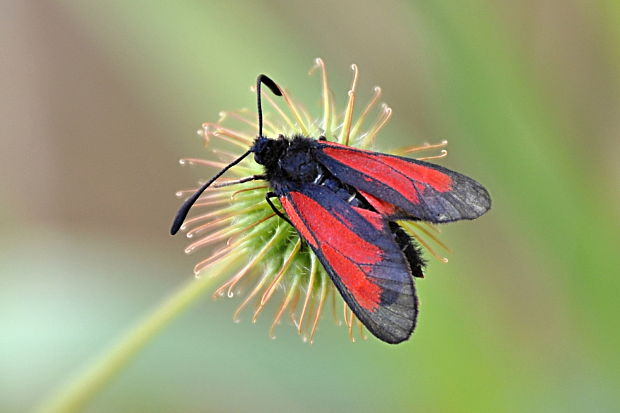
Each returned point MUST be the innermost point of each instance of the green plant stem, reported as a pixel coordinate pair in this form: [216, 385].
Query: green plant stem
[79, 391]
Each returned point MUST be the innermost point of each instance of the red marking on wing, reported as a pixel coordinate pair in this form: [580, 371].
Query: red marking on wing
[394, 172]
[299, 224]
[367, 294]
[376, 169]
[372, 217]
[382, 207]
[328, 229]
[437, 180]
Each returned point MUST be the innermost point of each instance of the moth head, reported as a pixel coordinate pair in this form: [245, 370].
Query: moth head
[268, 151]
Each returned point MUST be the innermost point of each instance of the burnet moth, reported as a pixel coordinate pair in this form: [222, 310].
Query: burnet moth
[345, 202]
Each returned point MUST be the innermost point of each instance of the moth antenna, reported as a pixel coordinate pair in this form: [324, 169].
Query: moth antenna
[187, 205]
[266, 80]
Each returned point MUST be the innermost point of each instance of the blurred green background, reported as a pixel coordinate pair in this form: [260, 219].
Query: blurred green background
[100, 99]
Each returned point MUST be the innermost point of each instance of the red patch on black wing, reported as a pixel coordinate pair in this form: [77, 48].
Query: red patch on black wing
[400, 187]
[297, 222]
[358, 251]
[382, 207]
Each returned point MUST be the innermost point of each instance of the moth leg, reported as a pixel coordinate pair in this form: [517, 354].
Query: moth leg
[268, 197]
[240, 181]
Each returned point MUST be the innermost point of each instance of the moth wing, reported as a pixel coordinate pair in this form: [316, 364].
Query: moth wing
[360, 254]
[399, 187]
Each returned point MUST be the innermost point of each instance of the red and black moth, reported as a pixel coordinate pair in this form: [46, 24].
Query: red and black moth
[345, 202]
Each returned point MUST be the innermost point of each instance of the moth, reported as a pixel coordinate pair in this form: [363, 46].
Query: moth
[345, 203]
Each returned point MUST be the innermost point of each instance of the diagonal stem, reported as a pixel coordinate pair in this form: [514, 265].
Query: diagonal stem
[78, 392]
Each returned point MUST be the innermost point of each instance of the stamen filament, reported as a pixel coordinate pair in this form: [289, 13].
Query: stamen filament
[370, 105]
[334, 312]
[194, 231]
[443, 154]
[285, 303]
[369, 139]
[285, 266]
[214, 258]
[313, 271]
[232, 208]
[431, 236]
[413, 233]
[351, 317]
[291, 105]
[431, 227]
[233, 134]
[362, 332]
[230, 284]
[348, 114]
[327, 98]
[425, 147]
[317, 315]
[259, 286]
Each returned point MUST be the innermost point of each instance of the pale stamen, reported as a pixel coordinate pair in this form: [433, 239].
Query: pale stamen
[385, 116]
[285, 303]
[203, 162]
[348, 114]
[233, 134]
[431, 227]
[230, 284]
[214, 258]
[319, 309]
[313, 271]
[285, 266]
[212, 202]
[294, 304]
[362, 117]
[415, 235]
[424, 147]
[362, 332]
[351, 318]
[327, 96]
[431, 236]
[334, 312]
[236, 138]
[208, 225]
[345, 315]
[224, 233]
[443, 154]
[291, 105]
[259, 286]
[305, 113]
[233, 209]
[224, 154]
[211, 238]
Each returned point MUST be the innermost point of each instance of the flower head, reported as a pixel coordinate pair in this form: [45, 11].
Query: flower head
[271, 261]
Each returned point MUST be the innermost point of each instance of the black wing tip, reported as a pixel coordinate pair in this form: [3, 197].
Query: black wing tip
[403, 327]
[483, 201]
[395, 337]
